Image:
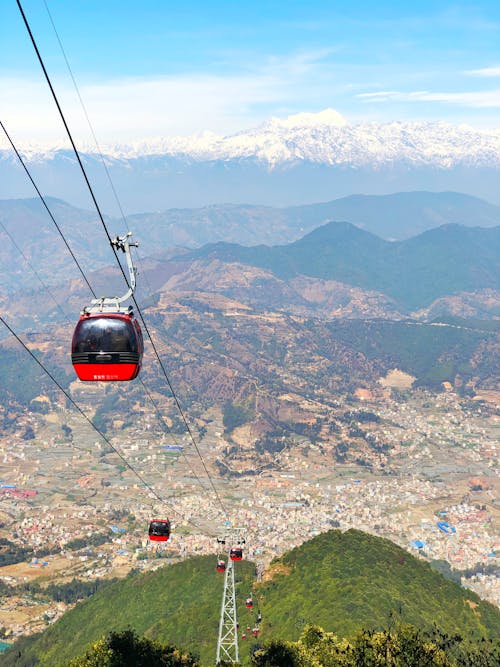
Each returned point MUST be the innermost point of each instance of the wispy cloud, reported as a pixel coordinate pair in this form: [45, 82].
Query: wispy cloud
[380, 94]
[485, 72]
[476, 99]
[128, 108]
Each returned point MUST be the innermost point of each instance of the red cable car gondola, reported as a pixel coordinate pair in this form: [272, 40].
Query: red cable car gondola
[107, 342]
[221, 566]
[255, 631]
[249, 603]
[107, 347]
[236, 553]
[159, 530]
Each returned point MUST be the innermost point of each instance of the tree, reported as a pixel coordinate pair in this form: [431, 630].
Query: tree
[279, 653]
[127, 649]
[236, 414]
[404, 647]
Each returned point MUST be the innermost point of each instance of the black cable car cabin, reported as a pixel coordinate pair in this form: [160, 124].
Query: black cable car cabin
[159, 530]
[107, 347]
[236, 553]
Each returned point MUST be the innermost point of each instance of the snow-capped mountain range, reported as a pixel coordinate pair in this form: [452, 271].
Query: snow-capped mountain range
[304, 158]
[324, 138]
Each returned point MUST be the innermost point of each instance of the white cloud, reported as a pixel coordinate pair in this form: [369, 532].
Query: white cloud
[476, 99]
[485, 72]
[386, 94]
[124, 109]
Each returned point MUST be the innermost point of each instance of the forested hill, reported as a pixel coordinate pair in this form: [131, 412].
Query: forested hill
[341, 581]
[346, 581]
[415, 272]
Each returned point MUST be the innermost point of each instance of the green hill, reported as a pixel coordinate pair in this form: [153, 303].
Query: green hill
[352, 580]
[341, 581]
[414, 272]
[432, 353]
[180, 604]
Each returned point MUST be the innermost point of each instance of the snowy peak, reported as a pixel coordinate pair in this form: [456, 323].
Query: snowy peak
[326, 138]
[327, 117]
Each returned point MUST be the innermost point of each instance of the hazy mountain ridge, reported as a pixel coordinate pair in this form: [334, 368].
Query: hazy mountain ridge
[448, 260]
[397, 216]
[261, 289]
[337, 271]
[393, 217]
[303, 158]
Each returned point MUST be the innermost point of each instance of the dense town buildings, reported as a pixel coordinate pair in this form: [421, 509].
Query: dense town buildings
[436, 495]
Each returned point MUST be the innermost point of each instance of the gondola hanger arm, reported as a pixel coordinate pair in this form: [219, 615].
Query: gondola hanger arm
[107, 304]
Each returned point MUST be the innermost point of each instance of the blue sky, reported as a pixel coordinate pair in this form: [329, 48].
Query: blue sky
[160, 68]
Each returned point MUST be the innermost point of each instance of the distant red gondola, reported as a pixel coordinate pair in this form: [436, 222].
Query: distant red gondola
[221, 566]
[249, 603]
[236, 553]
[255, 632]
[159, 530]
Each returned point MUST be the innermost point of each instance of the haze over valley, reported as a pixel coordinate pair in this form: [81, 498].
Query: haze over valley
[303, 469]
[322, 388]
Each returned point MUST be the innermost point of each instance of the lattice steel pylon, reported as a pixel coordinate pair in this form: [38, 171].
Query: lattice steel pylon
[227, 644]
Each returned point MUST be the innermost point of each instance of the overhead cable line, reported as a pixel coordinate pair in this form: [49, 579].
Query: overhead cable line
[46, 205]
[49, 83]
[103, 161]
[181, 412]
[176, 400]
[146, 484]
[168, 430]
[164, 425]
[45, 287]
[89, 123]
[115, 194]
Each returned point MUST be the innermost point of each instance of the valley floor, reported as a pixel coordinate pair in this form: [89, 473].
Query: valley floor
[440, 467]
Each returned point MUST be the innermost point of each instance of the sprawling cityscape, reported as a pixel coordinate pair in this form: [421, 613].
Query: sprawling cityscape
[431, 487]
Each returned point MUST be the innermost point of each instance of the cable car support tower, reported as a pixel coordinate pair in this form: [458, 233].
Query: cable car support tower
[227, 643]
